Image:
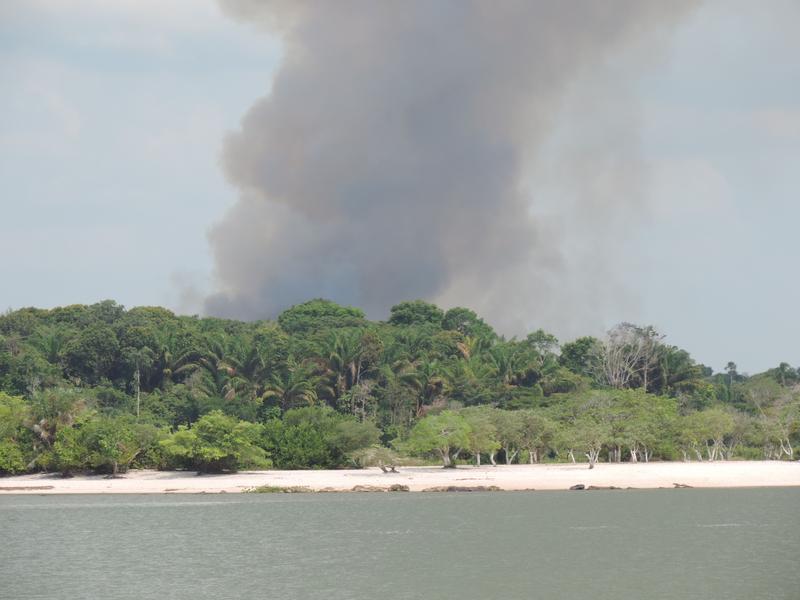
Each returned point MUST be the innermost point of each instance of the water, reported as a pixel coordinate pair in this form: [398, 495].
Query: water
[642, 545]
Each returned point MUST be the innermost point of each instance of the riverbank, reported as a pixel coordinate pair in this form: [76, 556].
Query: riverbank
[514, 477]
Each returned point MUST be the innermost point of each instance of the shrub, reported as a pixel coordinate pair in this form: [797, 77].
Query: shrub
[11, 458]
[217, 443]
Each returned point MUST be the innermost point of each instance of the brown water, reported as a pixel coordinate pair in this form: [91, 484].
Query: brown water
[654, 544]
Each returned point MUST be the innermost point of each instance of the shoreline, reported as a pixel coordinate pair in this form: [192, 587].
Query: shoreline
[722, 474]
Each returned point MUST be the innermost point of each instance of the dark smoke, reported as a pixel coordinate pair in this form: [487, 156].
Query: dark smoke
[390, 159]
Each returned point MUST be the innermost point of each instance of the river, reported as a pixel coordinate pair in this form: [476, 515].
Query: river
[620, 545]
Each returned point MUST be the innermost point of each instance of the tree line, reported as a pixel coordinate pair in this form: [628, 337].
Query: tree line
[103, 388]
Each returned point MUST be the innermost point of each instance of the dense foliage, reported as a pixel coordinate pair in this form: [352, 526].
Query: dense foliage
[103, 388]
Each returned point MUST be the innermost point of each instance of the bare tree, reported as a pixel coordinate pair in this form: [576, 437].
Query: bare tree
[630, 350]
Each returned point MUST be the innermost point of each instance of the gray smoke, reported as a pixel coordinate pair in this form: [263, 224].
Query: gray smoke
[396, 157]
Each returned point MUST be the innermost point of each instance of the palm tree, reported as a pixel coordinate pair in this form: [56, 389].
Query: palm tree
[414, 342]
[293, 387]
[54, 409]
[675, 370]
[471, 380]
[472, 346]
[509, 361]
[50, 341]
[345, 360]
[431, 381]
[732, 374]
[212, 372]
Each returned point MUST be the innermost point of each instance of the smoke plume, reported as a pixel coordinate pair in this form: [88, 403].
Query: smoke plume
[402, 153]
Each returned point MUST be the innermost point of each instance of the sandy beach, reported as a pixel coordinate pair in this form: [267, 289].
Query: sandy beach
[514, 477]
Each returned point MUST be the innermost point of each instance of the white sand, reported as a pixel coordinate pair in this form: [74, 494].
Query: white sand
[514, 477]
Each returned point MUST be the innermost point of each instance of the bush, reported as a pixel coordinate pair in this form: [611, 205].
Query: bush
[69, 453]
[11, 458]
[217, 443]
[386, 459]
[298, 446]
[316, 437]
[750, 453]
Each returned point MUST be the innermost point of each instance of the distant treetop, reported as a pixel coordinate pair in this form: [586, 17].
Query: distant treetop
[318, 314]
[416, 312]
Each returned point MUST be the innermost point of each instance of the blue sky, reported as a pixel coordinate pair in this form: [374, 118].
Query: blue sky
[113, 115]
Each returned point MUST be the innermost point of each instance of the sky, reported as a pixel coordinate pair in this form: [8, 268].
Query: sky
[113, 117]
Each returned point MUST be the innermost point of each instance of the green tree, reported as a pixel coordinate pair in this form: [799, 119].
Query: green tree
[583, 356]
[482, 437]
[785, 374]
[91, 356]
[590, 436]
[467, 323]
[537, 432]
[706, 430]
[416, 312]
[509, 433]
[445, 435]
[318, 314]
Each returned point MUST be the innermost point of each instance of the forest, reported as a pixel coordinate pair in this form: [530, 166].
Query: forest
[98, 388]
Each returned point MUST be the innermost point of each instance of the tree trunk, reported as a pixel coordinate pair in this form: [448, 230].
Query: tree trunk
[592, 456]
[138, 391]
[729, 451]
[477, 459]
[510, 456]
[491, 458]
[786, 448]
